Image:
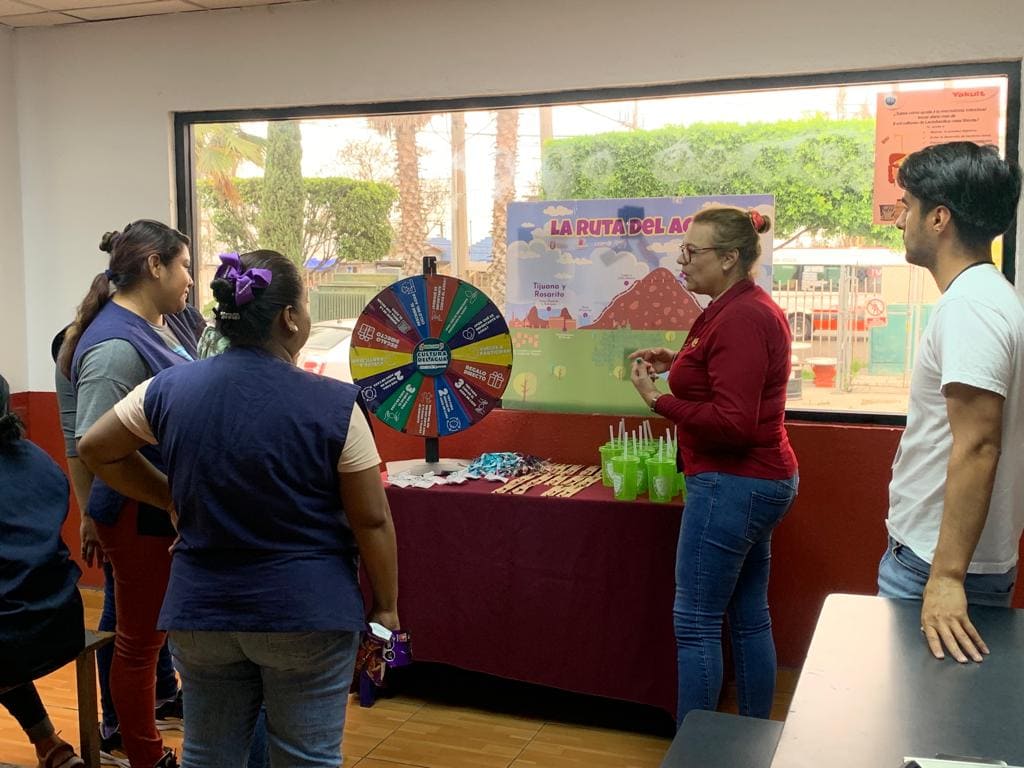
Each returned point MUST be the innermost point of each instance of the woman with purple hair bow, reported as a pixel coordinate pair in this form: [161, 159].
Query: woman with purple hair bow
[274, 478]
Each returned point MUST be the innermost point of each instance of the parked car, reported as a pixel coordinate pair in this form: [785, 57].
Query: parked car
[326, 350]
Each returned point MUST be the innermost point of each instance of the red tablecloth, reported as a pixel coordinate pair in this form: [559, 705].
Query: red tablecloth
[572, 593]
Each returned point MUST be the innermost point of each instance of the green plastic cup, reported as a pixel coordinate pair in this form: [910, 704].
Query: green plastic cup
[681, 486]
[641, 475]
[624, 469]
[662, 480]
[608, 452]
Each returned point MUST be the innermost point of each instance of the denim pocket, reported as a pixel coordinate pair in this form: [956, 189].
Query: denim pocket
[704, 479]
[906, 558]
[181, 642]
[297, 647]
[766, 511]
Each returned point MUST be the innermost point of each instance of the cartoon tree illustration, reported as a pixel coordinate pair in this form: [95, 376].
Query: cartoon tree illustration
[525, 385]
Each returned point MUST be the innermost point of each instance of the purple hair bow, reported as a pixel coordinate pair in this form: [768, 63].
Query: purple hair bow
[231, 269]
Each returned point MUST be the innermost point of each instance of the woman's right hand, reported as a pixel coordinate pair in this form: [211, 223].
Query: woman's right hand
[388, 619]
[659, 358]
[92, 550]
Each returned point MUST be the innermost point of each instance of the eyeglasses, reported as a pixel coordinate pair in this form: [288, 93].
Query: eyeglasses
[688, 251]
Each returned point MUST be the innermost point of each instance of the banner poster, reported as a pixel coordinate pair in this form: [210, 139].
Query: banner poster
[589, 282]
[911, 120]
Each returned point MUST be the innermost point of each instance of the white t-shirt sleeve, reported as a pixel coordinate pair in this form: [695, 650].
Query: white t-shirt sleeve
[360, 452]
[132, 413]
[975, 346]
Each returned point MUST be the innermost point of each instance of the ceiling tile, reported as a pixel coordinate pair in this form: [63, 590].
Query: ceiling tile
[213, 4]
[37, 20]
[14, 8]
[70, 5]
[132, 9]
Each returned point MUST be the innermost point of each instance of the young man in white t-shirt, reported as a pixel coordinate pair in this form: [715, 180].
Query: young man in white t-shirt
[956, 500]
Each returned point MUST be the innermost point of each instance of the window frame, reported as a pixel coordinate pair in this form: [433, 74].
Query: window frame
[184, 181]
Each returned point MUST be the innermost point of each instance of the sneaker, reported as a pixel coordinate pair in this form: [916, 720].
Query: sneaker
[62, 756]
[170, 715]
[112, 750]
[169, 760]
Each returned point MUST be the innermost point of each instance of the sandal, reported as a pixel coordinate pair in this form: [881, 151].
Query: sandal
[62, 756]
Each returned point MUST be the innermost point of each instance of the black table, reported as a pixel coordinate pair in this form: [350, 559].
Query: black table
[871, 693]
[719, 740]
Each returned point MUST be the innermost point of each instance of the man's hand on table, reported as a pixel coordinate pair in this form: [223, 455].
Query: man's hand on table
[945, 622]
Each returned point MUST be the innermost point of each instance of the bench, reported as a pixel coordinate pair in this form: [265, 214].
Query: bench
[88, 706]
[85, 675]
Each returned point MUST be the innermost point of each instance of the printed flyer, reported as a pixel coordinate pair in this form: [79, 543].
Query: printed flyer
[911, 120]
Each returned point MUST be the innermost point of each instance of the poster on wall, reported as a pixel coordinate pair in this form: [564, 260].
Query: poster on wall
[911, 120]
[589, 282]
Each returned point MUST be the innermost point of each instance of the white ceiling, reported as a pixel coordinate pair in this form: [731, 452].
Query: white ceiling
[46, 13]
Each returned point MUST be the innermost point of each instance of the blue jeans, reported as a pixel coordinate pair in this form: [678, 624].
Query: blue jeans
[903, 574]
[166, 682]
[302, 678]
[259, 749]
[722, 567]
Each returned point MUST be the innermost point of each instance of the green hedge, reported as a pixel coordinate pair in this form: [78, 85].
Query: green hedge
[341, 217]
[820, 170]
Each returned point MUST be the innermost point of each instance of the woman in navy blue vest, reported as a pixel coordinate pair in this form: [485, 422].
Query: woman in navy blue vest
[39, 601]
[133, 323]
[274, 478]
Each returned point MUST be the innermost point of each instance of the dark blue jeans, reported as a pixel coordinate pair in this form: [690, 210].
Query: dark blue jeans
[722, 567]
[166, 682]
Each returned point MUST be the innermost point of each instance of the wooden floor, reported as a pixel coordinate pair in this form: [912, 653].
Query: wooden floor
[444, 718]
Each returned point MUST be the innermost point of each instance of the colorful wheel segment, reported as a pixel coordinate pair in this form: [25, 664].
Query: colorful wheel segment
[432, 355]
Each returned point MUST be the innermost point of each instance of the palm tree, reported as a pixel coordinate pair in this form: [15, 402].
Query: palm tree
[220, 148]
[218, 151]
[412, 230]
[506, 150]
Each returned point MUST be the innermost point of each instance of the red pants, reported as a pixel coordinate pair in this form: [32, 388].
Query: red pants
[141, 567]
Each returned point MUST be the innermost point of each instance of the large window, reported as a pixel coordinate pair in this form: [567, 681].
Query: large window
[357, 200]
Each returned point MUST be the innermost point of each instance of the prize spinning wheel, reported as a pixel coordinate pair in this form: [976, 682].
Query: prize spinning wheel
[431, 355]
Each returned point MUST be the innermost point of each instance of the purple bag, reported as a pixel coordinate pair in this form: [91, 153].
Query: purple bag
[379, 650]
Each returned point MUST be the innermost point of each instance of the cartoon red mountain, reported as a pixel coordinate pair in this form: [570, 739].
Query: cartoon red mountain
[656, 303]
[533, 319]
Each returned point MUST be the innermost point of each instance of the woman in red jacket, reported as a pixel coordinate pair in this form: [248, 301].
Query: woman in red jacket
[728, 398]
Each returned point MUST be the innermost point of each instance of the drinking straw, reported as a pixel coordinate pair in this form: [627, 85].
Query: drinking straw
[661, 445]
[611, 434]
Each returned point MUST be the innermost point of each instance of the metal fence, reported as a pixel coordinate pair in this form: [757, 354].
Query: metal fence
[346, 296]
